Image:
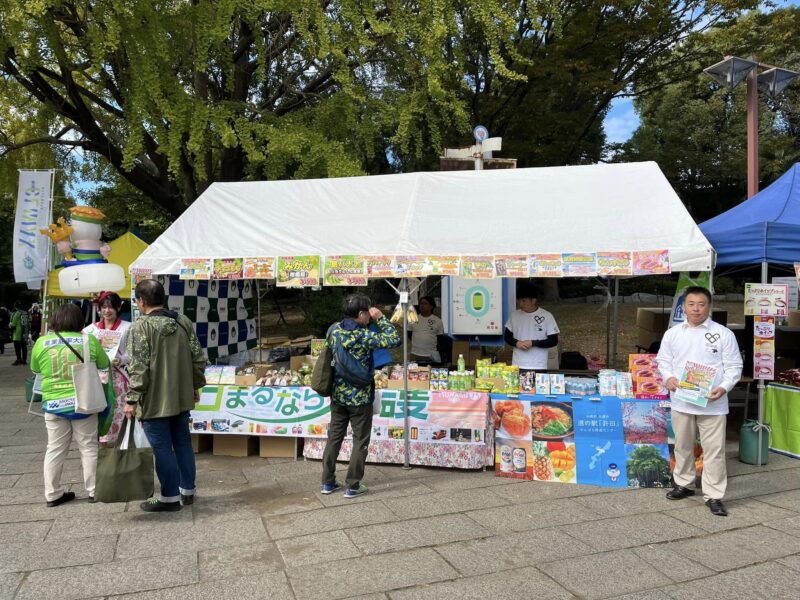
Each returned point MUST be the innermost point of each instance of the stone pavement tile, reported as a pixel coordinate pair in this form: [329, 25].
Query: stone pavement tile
[742, 513]
[370, 574]
[415, 533]
[516, 584]
[370, 597]
[738, 548]
[673, 565]
[9, 582]
[605, 575]
[26, 531]
[36, 480]
[317, 548]
[535, 515]
[624, 532]
[221, 508]
[262, 472]
[117, 577]
[220, 477]
[790, 525]
[791, 561]
[11, 464]
[646, 595]
[627, 502]
[523, 492]
[40, 512]
[521, 549]
[440, 503]
[776, 462]
[767, 580]
[285, 504]
[397, 472]
[119, 522]
[788, 500]
[239, 561]
[458, 480]
[381, 490]
[28, 450]
[265, 585]
[328, 519]
[191, 539]
[8, 481]
[762, 483]
[27, 556]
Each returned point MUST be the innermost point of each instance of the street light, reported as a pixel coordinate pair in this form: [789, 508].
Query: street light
[730, 72]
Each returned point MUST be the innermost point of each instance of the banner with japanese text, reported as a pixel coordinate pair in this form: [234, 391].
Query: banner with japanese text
[33, 214]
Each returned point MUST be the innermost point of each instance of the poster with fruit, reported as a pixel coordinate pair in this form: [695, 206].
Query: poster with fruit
[379, 266]
[552, 430]
[344, 270]
[258, 267]
[477, 267]
[228, 268]
[513, 447]
[298, 271]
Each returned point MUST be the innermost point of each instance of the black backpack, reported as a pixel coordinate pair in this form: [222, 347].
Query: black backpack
[571, 360]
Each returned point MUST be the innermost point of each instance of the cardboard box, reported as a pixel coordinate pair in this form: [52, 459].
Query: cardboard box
[470, 354]
[397, 384]
[274, 341]
[235, 445]
[296, 362]
[278, 447]
[201, 442]
[249, 380]
[653, 319]
[794, 318]
[645, 338]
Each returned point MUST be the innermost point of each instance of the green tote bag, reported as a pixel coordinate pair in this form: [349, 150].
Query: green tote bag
[124, 472]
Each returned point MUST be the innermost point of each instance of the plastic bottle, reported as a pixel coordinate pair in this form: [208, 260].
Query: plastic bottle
[461, 364]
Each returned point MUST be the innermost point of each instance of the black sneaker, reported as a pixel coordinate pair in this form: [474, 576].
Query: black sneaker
[65, 497]
[155, 505]
[186, 500]
[679, 493]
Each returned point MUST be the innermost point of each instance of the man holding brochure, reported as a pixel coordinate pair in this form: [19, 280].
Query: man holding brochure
[700, 363]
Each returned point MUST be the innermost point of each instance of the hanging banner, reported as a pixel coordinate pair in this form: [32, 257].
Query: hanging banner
[410, 266]
[380, 266]
[651, 262]
[546, 265]
[195, 268]
[258, 267]
[477, 267]
[766, 299]
[763, 347]
[614, 264]
[579, 264]
[298, 271]
[703, 279]
[344, 270]
[443, 265]
[137, 274]
[228, 268]
[511, 265]
[33, 214]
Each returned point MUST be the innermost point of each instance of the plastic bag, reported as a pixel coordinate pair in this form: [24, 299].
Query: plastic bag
[397, 315]
[139, 437]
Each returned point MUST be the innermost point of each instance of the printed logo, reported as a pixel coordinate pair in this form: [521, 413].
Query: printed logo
[712, 337]
[539, 320]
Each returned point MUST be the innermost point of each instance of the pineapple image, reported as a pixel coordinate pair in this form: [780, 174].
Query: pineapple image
[542, 469]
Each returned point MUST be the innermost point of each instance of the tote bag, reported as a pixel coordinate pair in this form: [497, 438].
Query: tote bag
[125, 472]
[90, 397]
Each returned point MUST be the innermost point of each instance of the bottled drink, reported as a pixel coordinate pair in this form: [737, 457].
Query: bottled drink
[461, 364]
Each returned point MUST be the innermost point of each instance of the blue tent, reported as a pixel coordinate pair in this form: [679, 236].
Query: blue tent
[763, 229]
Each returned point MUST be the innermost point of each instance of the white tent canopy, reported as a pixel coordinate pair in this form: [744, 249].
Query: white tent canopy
[607, 207]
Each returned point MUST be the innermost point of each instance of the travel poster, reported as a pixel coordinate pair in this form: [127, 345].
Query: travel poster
[618, 264]
[771, 299]
[651, 262]
[553, 432]
[347, 270]
[600, 442]
[513, 444]
[579, 264]
[546, 265]
[259, 267]
[298, 271]
[477, 267]
[228, 268]
[645, 422]
[195, 268]
[511, 265]
[764, 347]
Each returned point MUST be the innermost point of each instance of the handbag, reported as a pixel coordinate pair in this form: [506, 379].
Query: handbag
[124, 472]
[90, 397]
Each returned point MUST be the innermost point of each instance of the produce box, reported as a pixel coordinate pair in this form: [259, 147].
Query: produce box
[249, 379]
[653, 319]
[277, 447]
[235, 445]
[273, 341]
[296, 362]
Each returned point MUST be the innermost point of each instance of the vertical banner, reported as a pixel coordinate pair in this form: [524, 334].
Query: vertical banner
[33, 214]
[764, 347]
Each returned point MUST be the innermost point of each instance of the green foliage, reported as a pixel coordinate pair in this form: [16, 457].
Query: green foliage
[648, 467]
[322, 308]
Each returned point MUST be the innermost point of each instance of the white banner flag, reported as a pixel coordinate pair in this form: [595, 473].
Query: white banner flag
[33, 214]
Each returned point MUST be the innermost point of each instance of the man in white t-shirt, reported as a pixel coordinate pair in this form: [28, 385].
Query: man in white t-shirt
[703, 341]
[531, 331]
[424, 333]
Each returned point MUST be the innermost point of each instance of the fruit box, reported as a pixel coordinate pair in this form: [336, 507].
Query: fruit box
[423, 383]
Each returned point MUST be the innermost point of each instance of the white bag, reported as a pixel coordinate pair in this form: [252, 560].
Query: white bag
[139, 437]
[90, 397]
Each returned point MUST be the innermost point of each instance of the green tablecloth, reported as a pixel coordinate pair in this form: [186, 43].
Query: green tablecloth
[782, 413]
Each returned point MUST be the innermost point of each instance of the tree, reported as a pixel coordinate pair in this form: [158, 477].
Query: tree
[648, 467]
[176, 94]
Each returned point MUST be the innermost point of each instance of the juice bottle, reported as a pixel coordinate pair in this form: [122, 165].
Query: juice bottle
[461, 363]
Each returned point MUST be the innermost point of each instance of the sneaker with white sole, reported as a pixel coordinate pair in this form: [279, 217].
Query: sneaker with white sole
[329, 488]
[360, 490]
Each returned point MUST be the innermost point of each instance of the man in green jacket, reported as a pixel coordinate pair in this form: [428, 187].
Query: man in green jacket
[166, 371]
[19, 333]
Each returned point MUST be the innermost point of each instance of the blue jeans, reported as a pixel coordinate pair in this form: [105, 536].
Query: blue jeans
[172, 449]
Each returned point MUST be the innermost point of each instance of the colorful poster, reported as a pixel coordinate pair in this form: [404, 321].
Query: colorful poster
[195, 268]
[648, 465]
[30, 247]
[228, 268]
[647, 381]
[380, 266]
[645, 422]
[553, 432]
[546, 265]
[344, 270]
[435, 417]
[477, 267]
[298, 271]
[651, 262]
[695, 383]
[140, 274]
[410, 266]
[511, 265]
[614, 264]
[258, 267]
[766, 299]
[513, 444]
[797, 274]
[600, 442]
[764, 347]
[279, 411]
[443, 265]
[109, 340]
[579, 264]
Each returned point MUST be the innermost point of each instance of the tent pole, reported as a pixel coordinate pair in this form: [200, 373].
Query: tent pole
[608, 326]
[764, 277]
[616, 324]
[406, 430]
[258, 295]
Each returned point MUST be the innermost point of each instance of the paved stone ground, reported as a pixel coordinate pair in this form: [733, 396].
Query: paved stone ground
[260, 529]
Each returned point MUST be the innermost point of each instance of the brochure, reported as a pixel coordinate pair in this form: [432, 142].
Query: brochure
[695, 384]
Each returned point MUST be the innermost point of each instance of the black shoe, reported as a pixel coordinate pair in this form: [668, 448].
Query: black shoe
[187, 500]
[154, 505]
[91, 500]
[16, 362]
[66, 497]
[679, 493]
[717, 508]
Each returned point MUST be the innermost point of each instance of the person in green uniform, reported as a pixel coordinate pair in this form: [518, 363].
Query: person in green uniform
[53, 359]
[19, 333]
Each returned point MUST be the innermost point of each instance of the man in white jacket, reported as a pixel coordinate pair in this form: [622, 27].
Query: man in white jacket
[700, 340]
